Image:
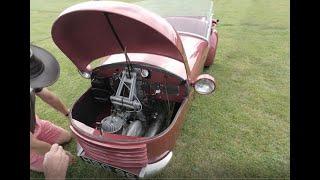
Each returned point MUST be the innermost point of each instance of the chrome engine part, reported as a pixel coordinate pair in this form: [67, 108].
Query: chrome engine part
[131, 101]
[112, 124]
[155, 126]
[135, 129]
[133, 113]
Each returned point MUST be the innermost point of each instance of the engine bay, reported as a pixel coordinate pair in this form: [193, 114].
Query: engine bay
[140, 102]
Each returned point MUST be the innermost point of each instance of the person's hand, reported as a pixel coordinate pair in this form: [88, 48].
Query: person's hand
[67, 114]
[55, 163]
[71, 157]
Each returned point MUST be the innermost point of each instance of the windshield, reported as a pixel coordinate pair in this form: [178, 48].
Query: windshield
[186, 16]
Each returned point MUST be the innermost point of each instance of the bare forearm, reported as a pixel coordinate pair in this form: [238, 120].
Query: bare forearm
[53, 100]
[57, 104]
[40, 147]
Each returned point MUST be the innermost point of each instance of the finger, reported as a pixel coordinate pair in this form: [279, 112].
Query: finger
[45, 158]
[54, 148]
[68, 159]
[64, 162]
[60, 150]
[71, 157]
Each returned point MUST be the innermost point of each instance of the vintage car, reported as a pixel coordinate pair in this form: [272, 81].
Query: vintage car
[129, 119]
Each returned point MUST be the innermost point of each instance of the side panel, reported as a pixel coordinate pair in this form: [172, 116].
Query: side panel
[213, 42]
[158, 146]
[196, 50]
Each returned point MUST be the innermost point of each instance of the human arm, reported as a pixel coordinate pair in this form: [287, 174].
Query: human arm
[53, 100]
[39, 146]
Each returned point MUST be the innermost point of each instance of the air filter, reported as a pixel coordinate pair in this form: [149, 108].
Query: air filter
[112, 124]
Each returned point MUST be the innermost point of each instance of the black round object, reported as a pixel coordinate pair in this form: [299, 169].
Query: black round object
[44, 68]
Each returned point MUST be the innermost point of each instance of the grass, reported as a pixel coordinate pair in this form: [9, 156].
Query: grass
[242, 131]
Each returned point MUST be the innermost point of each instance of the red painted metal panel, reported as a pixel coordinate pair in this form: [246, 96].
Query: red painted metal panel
[123, 156]
[83, 34]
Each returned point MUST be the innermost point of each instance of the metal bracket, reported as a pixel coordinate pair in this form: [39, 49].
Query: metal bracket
[130, 101]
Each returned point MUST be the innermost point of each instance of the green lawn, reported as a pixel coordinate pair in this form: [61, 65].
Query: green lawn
[241, 131]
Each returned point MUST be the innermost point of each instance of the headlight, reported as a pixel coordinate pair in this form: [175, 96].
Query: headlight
[86, 75]
[144, 73]
[205, 84]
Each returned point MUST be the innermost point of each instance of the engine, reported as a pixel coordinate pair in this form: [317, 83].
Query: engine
[135, 112]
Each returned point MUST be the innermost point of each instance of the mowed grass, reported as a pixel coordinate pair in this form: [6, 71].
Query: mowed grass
[242, 130]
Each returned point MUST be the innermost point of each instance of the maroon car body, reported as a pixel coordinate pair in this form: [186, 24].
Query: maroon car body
[174, 49]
